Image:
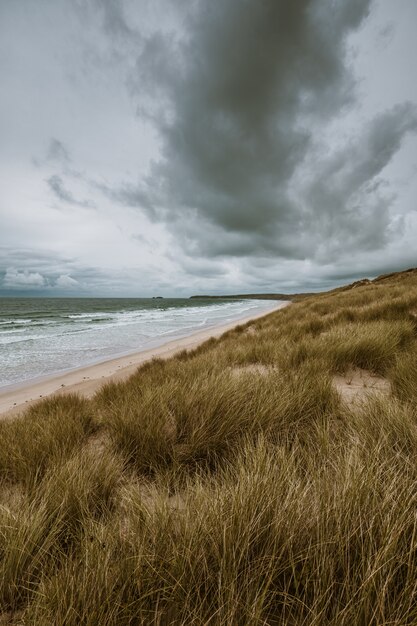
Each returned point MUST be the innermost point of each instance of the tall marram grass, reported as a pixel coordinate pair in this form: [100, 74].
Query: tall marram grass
[47, 526]
[230, 485]
[41, 438]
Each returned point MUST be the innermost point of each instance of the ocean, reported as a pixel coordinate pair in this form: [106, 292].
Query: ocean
[45, 336]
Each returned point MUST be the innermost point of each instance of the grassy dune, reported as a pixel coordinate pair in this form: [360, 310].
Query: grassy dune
[232, 485]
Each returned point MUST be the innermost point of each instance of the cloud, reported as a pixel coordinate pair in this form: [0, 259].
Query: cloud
[114, 20]
[57, 186]
[65, 281]
[241, 101]
[345, 201]
[237, 144]
[60, 273]
[128, 194]
[34, 268]
[25, 278]
[57, 151]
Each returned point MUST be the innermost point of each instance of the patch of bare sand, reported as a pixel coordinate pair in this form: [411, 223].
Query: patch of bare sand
[98, 442]
[252, 368]
[251, 330]
[355, 385]
[11, 496]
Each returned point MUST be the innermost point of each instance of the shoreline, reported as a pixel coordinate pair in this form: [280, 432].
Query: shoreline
[86, 380]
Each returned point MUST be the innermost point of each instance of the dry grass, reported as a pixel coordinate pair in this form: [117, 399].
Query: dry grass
[44, 436]
[231, 484]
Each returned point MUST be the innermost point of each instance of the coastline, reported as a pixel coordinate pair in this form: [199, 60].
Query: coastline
[86, 380]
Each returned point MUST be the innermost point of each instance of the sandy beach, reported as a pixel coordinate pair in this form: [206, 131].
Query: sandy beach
[87, 380]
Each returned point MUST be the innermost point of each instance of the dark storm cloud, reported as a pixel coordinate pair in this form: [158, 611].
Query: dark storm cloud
[127, 194]
[243, 143]
[240, 102]
[346, 197]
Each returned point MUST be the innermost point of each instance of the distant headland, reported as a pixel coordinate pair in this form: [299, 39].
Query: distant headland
[254, 296]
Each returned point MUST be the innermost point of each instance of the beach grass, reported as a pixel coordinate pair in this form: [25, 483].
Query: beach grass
[266, 478]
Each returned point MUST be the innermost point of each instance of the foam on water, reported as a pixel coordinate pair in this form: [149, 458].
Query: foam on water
[42, 336]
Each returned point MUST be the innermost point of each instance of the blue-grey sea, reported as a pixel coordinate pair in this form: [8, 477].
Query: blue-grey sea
[44, 336]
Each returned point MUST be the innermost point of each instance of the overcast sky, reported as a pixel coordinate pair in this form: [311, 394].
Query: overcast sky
[172, 147]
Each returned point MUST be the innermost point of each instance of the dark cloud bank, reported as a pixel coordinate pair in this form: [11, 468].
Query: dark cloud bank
[267, 175]
[247, 92]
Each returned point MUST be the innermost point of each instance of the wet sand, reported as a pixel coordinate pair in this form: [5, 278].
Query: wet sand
[87, 380]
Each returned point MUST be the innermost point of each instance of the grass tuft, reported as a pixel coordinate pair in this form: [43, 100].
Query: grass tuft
[45, 435]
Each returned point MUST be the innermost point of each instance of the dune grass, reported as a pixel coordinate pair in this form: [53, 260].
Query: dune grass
[230, 485]
[45, 435]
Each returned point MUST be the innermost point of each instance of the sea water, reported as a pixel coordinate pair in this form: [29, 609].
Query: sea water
[44, 336]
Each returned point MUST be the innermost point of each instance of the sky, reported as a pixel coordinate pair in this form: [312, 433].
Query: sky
[176, 147]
